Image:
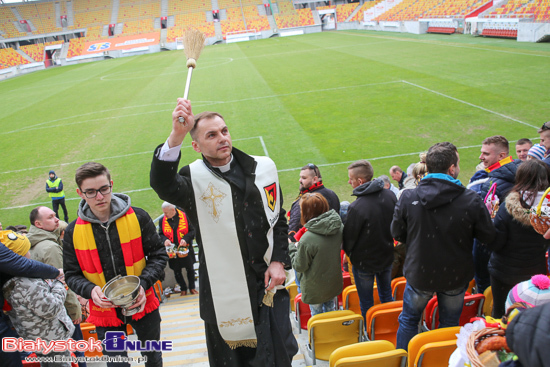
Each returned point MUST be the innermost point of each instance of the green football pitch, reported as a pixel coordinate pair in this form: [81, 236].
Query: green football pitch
[327, 98]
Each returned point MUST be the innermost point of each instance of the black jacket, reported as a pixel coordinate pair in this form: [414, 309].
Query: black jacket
[528, 336]
[250, 218]
[367, 238]
[518, 251]
[294, 224]
[109, 249]
[438, 221]
[504, 177]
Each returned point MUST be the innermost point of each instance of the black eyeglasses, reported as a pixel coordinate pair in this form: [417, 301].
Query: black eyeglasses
[104, 190]
[545, 126]
[315, 169]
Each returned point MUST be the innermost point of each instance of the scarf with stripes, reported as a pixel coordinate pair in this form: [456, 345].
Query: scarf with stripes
[129, 233]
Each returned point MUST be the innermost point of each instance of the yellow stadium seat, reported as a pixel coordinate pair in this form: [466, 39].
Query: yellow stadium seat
[331, 330]
[432, 348]
[366, 354]
[488, 305]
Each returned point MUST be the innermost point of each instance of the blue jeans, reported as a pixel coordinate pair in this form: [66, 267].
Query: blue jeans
[323, 307]
[414, 302]
[364, 281]
[481, 266]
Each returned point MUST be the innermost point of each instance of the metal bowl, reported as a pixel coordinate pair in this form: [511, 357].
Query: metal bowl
[122, 291]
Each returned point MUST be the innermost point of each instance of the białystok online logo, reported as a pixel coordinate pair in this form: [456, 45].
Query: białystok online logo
[115, 341]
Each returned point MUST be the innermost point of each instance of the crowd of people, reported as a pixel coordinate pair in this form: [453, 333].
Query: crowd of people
[428, 227]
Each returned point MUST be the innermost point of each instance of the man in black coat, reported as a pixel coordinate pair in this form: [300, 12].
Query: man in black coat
[367, 238]
[501, 170]
[310, 181]
[438, 221]
[224, 199]
[176, 230]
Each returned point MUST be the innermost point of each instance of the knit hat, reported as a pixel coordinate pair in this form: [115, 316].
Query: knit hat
[534, 292]
[537, 151]
[15, 242]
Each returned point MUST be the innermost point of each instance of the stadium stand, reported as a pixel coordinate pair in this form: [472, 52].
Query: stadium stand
[305, 17]
[192, 20]
[9, 57]
[234, 21]
[343, 11]
[455, 8]
[188, 6]
[36, 51]
[359, 16]
[7, 18]
[537, 10]
[75, 47]
[91, 13]
[287, 17]
[41, 16]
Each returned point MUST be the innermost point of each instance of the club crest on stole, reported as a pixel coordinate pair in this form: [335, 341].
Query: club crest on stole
[271, 194]
[213, 197]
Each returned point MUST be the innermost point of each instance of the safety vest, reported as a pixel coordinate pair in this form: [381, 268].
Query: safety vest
[56, 183]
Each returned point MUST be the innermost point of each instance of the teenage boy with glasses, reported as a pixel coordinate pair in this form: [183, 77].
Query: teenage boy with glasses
[110, 238]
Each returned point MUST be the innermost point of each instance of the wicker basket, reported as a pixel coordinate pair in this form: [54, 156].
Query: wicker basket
[540, 221]
[475, 338]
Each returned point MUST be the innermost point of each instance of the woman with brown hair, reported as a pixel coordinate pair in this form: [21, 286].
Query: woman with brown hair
[316, 255]
[518, 251]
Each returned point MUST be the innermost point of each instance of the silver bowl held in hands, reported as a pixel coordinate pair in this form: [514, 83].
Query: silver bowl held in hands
[123, 291]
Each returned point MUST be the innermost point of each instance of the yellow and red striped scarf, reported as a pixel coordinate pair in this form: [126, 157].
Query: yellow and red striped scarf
[499, 164]
[183, 227]
[129, 233]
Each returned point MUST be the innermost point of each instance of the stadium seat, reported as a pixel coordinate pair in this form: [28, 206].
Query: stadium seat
[292, 292]
[473, 307]
[488, 304]
[381, 320]
[351, 299]
[398, 288]
[368, 354]
[432, 348]
[331, 330]
[89, 331]
[302, 313]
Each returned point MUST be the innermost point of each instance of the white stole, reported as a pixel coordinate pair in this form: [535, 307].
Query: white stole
[222, 251]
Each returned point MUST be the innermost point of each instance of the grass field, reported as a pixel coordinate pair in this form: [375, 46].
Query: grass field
[328, 98]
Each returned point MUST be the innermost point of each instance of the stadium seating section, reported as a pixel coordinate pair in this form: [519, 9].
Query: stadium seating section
[9, 57]
[366, 6]
[138, 16]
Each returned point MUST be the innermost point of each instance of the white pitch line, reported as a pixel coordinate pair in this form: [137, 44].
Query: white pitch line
[263, 145]
[280, 170]
[469, 104]
[113, 157]
[384, 157]
[442, 43]
[49, 126]
[69, 199]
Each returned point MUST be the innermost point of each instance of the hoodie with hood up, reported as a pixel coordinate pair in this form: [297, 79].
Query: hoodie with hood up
[109, 249]
[439, 221]
[316, 258]
[367, 238]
